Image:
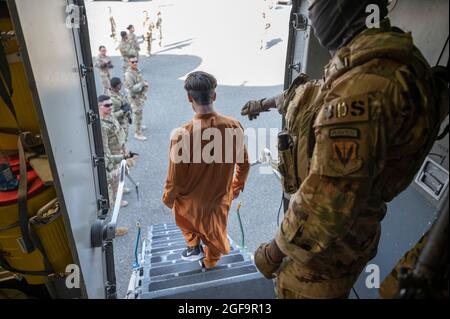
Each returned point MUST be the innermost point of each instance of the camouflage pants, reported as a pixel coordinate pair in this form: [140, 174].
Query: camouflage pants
[125, 65]
[113, 184]
[296, 281]
[123, 121]
[137, 105]
[148, 39]
[212, 254]
[160, 34]
[390, 286]
[106, 80]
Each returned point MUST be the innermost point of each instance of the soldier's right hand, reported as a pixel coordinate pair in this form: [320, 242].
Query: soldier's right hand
[131, 161]
[263, 262]
[252, 109]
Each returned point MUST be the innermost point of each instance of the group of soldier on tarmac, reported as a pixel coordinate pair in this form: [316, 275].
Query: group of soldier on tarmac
[118, 110]
[352, 142]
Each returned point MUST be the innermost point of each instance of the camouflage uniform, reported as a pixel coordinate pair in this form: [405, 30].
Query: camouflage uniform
[132, 38]
[114, 149]
[360, 139]
[136, 88]
[148, 29]
[390, 286]
[159, 28]
[126, 50]
[103, 64]
[118, 99]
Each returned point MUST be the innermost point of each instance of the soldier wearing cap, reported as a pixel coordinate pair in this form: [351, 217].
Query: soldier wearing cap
[126, 49]
[148, 32]
[103, 64]
[114, 151]
[159, 27]
[352, 142]
[121, 107]
[132, 38]
[136, 88]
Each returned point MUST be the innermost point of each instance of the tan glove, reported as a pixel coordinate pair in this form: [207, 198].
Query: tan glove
[131, 161]
[253, 108]
[264, 263]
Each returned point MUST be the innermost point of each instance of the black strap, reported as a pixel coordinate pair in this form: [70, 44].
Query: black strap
[10, 131]
[443, 134]
[22, 200]
[38, 244]
[5, 78]
[5, 265]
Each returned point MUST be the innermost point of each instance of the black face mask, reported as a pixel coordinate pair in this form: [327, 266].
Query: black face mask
[336, 22]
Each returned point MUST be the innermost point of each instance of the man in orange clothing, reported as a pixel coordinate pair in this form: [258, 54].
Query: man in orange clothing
[208, 167]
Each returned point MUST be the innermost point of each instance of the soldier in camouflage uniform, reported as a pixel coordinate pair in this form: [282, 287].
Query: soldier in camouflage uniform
[113, 25]
[126, 50]
[121, 107]
[136, 88]
[148, 32]
[114, 150]
[103, 64]
[159, 27]
[132, 37]
[357, 138]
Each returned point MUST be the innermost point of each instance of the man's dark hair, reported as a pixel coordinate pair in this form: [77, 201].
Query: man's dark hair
[201, 87]
[123, 34]
[103, 98]
[101, 47]
[132, 57]
[130, 26]
[115, 82]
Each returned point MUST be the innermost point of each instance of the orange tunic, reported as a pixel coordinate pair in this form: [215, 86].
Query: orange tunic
[200, 191]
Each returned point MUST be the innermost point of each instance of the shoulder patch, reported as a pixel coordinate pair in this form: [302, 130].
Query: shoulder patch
[344, 132]
[345, 159]
[344, 110]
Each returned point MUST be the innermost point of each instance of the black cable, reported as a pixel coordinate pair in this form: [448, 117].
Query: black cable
[442, 52]
[279, 210]
[356, 294]
[392, 6]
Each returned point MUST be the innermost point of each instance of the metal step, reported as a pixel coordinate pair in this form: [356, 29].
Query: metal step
[174, 259]
[165, 275]
[195, 269]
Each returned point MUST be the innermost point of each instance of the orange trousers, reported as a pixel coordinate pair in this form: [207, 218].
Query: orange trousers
[212, 255]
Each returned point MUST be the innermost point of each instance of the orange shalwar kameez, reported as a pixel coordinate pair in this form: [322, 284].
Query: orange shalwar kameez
[200, 193]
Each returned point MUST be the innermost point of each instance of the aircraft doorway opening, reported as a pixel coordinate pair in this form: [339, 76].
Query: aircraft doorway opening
[243, 44]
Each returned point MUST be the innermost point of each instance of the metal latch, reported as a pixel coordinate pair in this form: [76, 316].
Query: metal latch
[102, 203]
[98, 160]
[297, 67]
[300, 22]
[84, 70]
[91, 116]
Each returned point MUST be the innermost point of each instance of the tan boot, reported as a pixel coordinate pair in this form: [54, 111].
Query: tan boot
[121, 231]
[140, 137]
[123, 203]
[126, 190]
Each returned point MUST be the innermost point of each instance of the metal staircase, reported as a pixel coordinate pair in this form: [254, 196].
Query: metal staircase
[163, 274]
